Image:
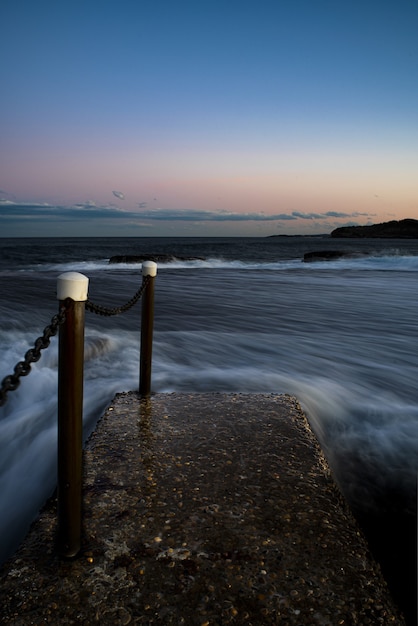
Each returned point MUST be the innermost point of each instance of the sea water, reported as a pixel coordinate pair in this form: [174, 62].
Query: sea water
[233, 315]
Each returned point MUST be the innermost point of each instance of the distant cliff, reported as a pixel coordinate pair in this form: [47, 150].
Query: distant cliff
[404, 229]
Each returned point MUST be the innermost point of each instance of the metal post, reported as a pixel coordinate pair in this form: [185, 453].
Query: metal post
[149, 268]
[70, 412]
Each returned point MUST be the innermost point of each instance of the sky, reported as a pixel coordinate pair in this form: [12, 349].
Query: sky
[203, 118]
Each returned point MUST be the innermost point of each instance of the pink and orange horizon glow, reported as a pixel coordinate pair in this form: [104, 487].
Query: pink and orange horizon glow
[187, 119]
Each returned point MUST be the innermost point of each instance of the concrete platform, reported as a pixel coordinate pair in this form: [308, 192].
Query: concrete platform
[202, 509]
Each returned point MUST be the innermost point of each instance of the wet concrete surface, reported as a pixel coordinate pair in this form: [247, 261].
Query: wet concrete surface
[202, 509]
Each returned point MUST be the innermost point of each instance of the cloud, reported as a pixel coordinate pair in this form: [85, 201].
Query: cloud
[14, 212]
[308, 216]
[322, 216]
[194, 215]
[337, 214]
[119, 194]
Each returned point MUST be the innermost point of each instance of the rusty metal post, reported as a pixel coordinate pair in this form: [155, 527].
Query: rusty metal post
[149, 268]
[70, 412]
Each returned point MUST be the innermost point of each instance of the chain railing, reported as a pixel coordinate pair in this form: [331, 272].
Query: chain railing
[101, 310]
[23, 368]
[72, 290]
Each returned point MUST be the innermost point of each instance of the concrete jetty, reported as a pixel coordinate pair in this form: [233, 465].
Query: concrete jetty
[202, 509]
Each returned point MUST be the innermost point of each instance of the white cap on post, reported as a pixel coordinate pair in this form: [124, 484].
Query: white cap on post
[72, 285]
[149, 268]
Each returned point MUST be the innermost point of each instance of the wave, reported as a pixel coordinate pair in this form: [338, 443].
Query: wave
[392, 260]
[386, 262]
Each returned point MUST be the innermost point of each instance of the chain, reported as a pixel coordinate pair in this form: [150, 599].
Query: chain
[12, 382]
[101, 310]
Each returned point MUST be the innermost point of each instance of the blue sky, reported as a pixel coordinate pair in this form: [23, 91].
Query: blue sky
[229, 118]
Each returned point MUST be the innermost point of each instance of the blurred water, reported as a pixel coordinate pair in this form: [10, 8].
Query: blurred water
[251, 317]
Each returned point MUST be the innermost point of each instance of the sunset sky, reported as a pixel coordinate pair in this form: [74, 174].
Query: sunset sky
[155, 118]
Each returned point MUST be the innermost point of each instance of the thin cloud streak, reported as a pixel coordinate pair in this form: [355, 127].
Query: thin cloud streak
[192, 215]
[321, 216]
[10, 211]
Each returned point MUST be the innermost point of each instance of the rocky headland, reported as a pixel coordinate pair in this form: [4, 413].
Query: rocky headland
[402, 229]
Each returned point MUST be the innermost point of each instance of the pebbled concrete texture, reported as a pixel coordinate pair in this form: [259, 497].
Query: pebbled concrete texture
[202, 509]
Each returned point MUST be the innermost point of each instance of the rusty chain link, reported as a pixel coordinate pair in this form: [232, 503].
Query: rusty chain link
[101, 310]
[12, 382]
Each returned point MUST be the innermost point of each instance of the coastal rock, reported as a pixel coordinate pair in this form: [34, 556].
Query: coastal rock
[402, 229]
[328, 255]
[157, 258]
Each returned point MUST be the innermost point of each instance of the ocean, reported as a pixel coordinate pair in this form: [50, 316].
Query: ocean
[231, 315]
